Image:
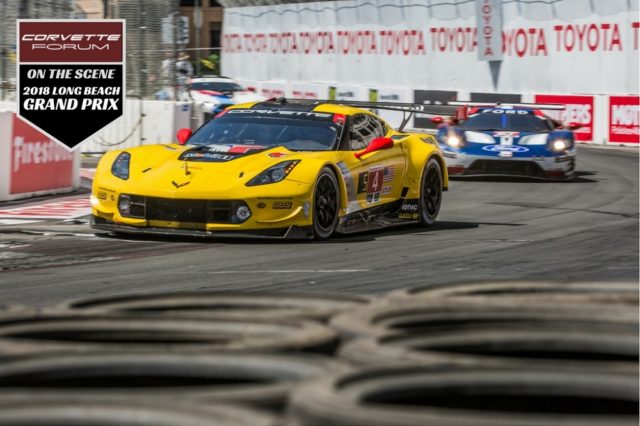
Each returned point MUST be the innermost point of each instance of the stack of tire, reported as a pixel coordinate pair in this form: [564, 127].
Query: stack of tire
[166, 359]
[522, 354]
[487, 355]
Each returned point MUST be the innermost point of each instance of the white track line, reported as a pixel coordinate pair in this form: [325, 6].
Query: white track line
[292, 271]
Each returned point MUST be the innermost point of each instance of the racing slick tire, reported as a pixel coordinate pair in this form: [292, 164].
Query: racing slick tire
[326, 204]
[554, 345]
[430, 192]
[30, 410]
[258, 380]
[610, 293]
[462, 396]
[441, 315]
[203, 304]
[23, 335]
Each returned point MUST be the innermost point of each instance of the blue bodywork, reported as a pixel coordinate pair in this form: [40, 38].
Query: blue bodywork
[492, 135]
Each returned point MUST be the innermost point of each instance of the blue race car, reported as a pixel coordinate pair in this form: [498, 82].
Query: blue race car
[515, 140]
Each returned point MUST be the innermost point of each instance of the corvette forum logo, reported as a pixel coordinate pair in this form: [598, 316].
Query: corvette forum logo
[70, 76]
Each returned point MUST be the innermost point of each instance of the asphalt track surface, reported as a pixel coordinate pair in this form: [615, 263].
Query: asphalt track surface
[487, 230]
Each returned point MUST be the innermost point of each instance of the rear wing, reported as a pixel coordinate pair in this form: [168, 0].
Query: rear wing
[508, 104]
[409, 109]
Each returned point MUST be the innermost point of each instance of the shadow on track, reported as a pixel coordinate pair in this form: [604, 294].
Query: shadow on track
[364, 236]
[579, 178]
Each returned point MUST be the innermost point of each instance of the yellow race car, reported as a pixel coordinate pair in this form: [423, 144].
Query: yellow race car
[281, 168]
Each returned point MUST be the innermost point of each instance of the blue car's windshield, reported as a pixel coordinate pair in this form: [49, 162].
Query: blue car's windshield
[509, 122]
[303, 132]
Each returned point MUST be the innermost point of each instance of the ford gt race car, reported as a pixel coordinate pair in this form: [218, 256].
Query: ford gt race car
[279, 168]
[516, 140]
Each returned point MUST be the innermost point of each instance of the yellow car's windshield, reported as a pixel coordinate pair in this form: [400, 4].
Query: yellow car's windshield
[297, 131]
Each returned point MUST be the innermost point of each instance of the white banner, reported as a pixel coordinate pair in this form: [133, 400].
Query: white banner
[348, 93]
[270, 89]
[308, 91]
[564, 46]
[387, 94]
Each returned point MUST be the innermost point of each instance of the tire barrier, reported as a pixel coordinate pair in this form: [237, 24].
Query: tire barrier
[261, 380]
[68, 333]
[482, 354]
[420, 396]
[553, 346]
[258, 305]
[549, 292]
[438, 315]
[6, 308]
[29, 410]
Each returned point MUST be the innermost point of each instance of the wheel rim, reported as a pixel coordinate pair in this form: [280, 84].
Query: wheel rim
[432, 191]
[326, 205]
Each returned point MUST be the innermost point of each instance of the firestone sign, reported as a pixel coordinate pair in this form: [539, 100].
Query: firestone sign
[70, 76]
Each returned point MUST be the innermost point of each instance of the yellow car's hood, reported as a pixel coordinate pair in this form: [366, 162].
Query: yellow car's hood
[169, 170]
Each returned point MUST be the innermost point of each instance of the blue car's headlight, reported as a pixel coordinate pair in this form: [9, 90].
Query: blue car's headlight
[274, 173]
[560, 145]
[120, 167]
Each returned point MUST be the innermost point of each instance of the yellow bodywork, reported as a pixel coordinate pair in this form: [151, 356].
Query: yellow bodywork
[155, 171]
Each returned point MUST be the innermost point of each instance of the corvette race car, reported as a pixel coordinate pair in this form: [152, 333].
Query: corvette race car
[216, 93]
[513, 140]
[279, 168]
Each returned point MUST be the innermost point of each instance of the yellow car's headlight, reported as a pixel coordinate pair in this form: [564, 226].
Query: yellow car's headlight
[274, 173]
[120, 167]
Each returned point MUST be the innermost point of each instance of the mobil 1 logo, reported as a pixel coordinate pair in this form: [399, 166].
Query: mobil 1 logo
[71, 76]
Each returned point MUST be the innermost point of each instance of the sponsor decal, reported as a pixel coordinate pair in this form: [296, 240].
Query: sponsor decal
[282, 205]
[507, 111]
[578, 109]
[37, 162]
[624, 119]
[210, 156]
[413, 216]
[280, 112]
[409, 206]
[70, 71]
[373, 198]
[505, 148]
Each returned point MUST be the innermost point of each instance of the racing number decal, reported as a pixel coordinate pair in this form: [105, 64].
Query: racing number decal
[371, 182]
[375, 181]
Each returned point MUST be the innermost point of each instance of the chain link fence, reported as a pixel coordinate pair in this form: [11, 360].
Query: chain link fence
[10, 10]
[152, 27]
[153, 41]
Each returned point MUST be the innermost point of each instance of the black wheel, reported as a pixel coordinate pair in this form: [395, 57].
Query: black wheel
[326, 201]
[430, 192]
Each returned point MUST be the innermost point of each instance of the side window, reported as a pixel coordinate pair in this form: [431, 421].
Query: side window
[363, 129]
